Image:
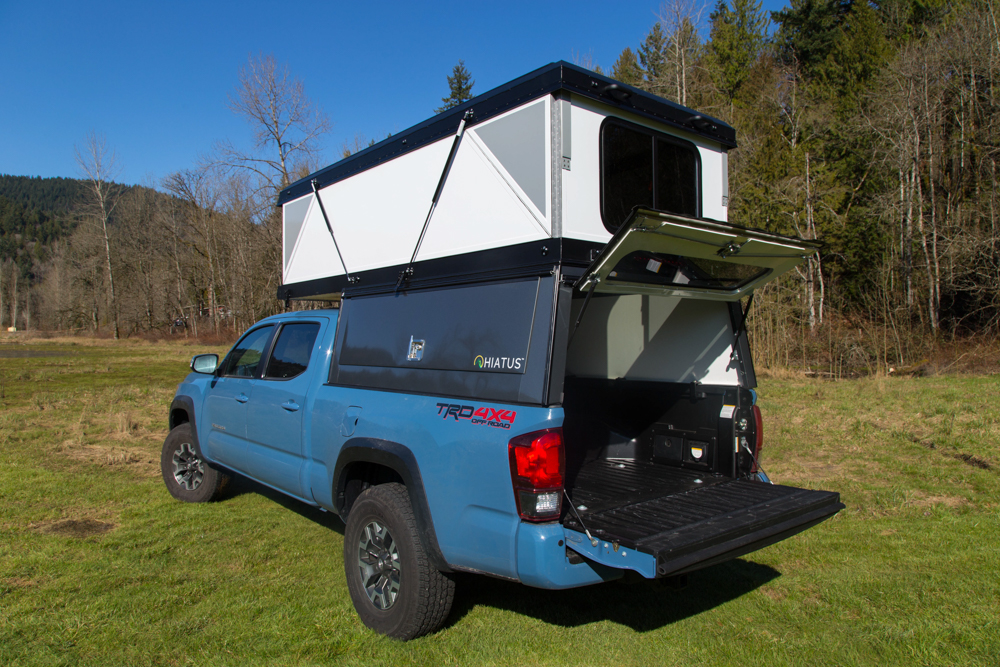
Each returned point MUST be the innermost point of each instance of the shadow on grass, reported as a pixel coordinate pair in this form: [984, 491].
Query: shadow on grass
[637, 603]
[633, 601]
[240, 485]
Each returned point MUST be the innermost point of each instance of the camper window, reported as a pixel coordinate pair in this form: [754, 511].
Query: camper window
[640, 167]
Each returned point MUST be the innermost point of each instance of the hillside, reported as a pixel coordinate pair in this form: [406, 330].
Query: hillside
[35, 211]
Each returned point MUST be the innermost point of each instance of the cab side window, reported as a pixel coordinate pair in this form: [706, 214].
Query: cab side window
[243, 360]
[290, 356]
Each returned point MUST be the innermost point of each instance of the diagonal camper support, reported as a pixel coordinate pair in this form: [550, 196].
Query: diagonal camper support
[322, 209]
[408, 271]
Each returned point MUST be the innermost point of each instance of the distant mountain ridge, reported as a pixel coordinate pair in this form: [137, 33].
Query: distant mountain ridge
[50, 195]
[34, 213]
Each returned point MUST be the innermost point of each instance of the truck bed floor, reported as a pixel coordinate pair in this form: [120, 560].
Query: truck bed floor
[686, 519]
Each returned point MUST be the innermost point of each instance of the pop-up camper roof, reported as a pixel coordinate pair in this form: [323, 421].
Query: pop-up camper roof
[532, 177]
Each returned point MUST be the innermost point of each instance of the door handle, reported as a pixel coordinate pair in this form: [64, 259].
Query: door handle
[242, 398]
[290, 405]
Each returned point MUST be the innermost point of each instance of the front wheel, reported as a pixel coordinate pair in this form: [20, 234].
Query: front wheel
[187, 475]
[395, 589]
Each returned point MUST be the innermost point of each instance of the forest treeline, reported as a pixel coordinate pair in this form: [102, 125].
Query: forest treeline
[871, 126]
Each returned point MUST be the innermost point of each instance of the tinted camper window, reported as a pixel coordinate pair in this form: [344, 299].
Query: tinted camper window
[640, 167]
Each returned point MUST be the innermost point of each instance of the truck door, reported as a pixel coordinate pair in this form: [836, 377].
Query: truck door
[228, 394]
[274, 413]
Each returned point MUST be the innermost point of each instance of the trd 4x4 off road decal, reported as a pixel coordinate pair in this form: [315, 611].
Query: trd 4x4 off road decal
[485, 416]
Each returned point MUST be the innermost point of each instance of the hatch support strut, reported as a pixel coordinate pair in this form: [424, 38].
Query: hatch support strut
[407, 273]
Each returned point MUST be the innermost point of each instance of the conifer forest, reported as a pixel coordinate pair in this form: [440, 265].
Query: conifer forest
[873, 127]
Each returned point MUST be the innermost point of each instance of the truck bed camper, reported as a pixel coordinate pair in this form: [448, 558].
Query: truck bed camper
[537, 367]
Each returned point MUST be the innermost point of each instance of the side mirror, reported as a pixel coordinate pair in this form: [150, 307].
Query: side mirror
[205, 363]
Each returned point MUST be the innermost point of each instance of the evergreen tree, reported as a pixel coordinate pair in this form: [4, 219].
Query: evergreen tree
[808, 30]
[738, 37]
[460, 85]
[626, 69]
[652, 55]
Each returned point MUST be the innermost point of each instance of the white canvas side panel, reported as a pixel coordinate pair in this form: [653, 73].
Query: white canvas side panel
[582, 184]
[711, 185]
[478, 210]
[376, 215]
[658, 338]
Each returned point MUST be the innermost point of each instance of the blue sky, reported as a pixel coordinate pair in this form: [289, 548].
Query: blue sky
[154, 77]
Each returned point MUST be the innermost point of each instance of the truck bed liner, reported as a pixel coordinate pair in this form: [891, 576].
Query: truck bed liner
[685, 519]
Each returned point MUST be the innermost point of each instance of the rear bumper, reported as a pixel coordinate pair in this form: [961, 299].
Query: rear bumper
[542, 561]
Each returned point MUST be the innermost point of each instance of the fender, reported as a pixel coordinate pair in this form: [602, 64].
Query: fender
[184, 404]
[400, 459]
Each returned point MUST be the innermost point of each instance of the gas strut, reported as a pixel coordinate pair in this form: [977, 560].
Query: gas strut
[407, 273]
[350, 279]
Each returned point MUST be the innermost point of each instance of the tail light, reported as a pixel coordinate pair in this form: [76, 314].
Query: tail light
[758, 440]
[537, 467]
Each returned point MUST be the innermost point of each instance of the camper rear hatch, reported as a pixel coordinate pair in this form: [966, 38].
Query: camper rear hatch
[660, 253]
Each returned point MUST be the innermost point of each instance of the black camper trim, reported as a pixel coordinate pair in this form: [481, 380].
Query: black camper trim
[516, 261]
[544, 81]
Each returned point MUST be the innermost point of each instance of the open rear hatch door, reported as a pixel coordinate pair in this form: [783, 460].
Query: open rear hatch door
[660, 520]
[661, 253]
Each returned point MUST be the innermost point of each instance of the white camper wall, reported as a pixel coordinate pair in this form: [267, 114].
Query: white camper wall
[581, 184]
[656, 338]
[376, 215]
[497, 194]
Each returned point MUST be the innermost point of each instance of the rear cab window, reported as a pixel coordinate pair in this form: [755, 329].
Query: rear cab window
[290, 356]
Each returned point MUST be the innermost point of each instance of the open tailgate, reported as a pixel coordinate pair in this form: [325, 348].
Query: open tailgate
[676, 521]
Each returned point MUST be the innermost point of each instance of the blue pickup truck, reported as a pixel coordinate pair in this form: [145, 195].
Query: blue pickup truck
[589, 413]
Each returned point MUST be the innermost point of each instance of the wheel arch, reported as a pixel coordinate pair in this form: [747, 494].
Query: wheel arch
[384, 460]
[182, 412]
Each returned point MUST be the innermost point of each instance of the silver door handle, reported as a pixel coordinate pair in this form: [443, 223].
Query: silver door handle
[242, 398]
[291, 406]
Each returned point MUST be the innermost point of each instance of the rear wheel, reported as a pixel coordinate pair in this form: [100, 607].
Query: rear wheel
[187, 475]
[395, 589]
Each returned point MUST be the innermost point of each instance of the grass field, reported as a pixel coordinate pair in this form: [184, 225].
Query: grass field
[99, 565]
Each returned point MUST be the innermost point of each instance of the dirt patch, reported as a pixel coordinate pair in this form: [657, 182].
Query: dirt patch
[76, 528]
[931, 501]
[142, 461]
[775, 594]
[18, 582]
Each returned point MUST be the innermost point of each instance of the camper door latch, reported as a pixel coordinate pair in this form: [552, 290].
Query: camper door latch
[730, 249]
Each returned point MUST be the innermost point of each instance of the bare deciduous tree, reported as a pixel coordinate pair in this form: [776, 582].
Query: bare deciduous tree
[287, 126]
[98, 166]
[680, 20]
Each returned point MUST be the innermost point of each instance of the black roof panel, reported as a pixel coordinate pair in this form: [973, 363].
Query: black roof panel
[544, 81]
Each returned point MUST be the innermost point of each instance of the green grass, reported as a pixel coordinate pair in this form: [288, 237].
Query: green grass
[99, 565]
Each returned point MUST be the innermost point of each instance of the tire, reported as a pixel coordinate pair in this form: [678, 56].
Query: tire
[187, 475]
[394, 588]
